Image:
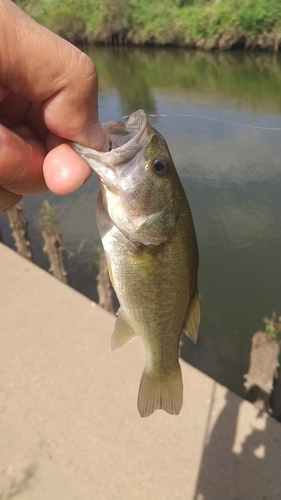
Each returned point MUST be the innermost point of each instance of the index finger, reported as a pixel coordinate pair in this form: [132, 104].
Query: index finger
[42, 67]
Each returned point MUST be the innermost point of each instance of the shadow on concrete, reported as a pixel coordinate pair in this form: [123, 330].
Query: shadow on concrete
[239, 462]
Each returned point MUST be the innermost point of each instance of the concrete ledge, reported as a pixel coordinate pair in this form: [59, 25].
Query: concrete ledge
[69, 425]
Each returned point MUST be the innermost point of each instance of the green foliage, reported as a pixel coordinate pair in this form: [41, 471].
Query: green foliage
[207, 19]
[257, 15]
[32, 7]
[154, 22]
[273, 327]
[47, 213]
[115, 20]
[159, 22]
[217, 18]
[69, 21]
[191, 20]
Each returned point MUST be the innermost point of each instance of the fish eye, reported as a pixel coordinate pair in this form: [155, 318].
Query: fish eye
[160, 167]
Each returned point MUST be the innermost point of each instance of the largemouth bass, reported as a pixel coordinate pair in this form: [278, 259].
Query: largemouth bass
[149, 239]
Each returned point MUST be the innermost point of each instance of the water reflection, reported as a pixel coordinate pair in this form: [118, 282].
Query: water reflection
[231, 175]
[247, 80]
[117, 68]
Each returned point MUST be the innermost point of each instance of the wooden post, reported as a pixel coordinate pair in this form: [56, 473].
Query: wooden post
[18, 225]
[53, 244]
[263, 365]
[54, 249]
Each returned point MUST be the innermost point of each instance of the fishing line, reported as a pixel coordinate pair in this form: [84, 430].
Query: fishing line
[213, 119]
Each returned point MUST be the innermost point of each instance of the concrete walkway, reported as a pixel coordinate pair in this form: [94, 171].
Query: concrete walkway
[69, 425]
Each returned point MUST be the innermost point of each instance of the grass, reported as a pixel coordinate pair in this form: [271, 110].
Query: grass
[179, 22]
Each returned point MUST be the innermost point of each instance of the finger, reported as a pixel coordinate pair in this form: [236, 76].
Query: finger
[8, 199]
[66, 81]
[72, 112]
[52, 141]
[21, 162]
[64, 170]
[34, 119]
[13, 109]
[4, 92]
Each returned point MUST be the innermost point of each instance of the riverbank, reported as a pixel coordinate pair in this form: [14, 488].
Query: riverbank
[69, 425]
[204, 24]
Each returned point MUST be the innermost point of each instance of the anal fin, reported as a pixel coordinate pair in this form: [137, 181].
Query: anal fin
[122, 333]
[191, 324]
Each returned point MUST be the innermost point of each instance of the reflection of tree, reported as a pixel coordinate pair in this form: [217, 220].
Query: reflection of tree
[136, 93]
[251, 79]
[127, 70]
[237, 467]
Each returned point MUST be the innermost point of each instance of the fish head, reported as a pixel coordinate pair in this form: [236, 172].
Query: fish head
[138, 179]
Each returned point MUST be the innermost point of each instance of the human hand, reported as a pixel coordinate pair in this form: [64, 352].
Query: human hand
[48, 93]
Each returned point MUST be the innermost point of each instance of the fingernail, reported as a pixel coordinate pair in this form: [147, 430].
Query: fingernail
[96, 136]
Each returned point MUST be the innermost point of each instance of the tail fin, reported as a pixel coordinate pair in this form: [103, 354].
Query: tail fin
[160, 390]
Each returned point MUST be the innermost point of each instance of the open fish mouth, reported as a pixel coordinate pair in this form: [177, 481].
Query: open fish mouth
[121, 133]
[123, 140]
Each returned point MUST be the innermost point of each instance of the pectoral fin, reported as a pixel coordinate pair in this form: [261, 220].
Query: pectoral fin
[191, 324]
[122, 333]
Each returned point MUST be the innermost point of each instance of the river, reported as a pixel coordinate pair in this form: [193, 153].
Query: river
[221, 116]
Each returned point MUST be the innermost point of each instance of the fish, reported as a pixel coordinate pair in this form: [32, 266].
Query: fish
[149, 239]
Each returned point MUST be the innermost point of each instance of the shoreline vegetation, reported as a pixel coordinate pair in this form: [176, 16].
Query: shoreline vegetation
[201, 24]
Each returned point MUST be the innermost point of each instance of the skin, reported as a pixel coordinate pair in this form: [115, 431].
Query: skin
[48, 93]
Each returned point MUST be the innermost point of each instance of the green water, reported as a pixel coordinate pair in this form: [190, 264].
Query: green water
[218, 113]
